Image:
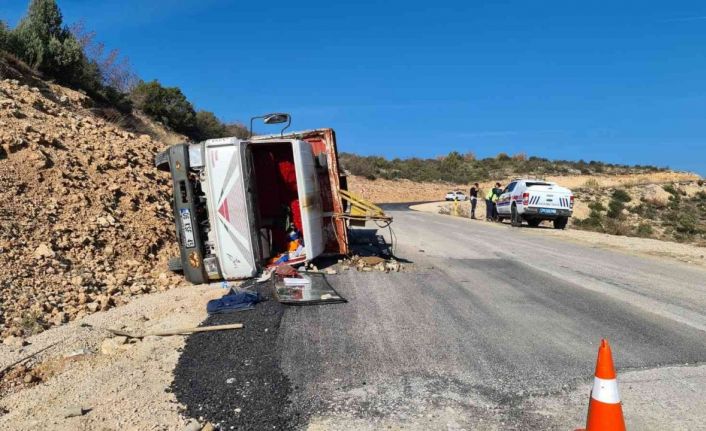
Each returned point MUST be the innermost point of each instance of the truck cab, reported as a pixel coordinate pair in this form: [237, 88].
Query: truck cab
[241, 205]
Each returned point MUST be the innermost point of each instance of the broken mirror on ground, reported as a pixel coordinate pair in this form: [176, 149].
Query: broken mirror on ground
[305, 288]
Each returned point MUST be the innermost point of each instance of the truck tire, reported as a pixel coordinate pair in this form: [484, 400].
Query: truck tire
[560, 222]
[515, 219]
[534, 222]
[174, 264]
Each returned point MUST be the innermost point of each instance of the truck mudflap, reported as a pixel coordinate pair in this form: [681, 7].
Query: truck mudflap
[176, 160]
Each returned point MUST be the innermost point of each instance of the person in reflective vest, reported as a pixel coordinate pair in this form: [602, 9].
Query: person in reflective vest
[489, 204]
[497, 191]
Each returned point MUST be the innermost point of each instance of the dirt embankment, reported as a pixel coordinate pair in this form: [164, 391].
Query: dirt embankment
[389, 191]
[85, 221]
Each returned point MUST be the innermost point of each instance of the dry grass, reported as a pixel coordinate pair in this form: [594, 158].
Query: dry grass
[459, 209]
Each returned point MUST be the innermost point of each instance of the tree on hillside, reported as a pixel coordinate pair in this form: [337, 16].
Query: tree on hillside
[208, 126]
[167, 105]
[238, 130]
[44, 44]
[4, 35]
[115, 70]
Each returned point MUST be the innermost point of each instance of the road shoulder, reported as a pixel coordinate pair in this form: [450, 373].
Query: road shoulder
[685, 253]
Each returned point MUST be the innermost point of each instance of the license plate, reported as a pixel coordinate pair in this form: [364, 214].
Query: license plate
[187, 228]
[547, 211]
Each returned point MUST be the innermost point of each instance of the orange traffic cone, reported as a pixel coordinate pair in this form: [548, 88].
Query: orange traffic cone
[605, 413]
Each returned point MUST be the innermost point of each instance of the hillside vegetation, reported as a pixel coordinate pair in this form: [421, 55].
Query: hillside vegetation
[74, 58]
[465, 169]
[672, 211]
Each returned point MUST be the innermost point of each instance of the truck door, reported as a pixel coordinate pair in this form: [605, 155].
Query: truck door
[230, 210]
[309, 198]
[505, 200]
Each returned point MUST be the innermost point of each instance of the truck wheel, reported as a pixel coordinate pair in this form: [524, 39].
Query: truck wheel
[560, 222]
[534, 222]
[514, 217]
[174, 264]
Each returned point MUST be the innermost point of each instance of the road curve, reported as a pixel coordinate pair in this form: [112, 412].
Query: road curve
[496, 328]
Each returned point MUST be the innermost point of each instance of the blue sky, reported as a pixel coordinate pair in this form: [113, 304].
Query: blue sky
[615, 81]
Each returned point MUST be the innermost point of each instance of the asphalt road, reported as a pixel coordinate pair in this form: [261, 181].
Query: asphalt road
[497, 328]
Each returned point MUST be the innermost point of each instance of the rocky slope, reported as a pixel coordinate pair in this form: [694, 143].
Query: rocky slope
[85, 218]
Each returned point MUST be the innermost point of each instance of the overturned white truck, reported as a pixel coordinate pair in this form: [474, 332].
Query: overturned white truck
[240, 204]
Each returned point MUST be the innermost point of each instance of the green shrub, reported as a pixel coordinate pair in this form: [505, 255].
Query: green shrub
[674, 201]
[43, 42]
[621, 196]
[167, 105]
[596, 206]
[644, 230]
[616, 227]
[208, 126]
[637, 209]
[669, 188]
[4, 36]
[686, 223]
[591, 183]
[593, 222]
[31, 323]
[238, 130]
[615, 209]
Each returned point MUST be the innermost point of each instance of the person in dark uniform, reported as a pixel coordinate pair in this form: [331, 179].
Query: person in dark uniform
[474, 199]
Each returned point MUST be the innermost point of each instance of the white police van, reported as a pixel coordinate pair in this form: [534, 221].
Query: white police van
[534, 201]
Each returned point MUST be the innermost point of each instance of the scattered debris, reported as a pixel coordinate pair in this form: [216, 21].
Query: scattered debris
[13, 341]
[192, 425]
[370, 260]
[111, 346]
[27, 357]
[233, 301]
[305, 288]
[286, 270]
[77, 353]
[72, 412]
[371, 263]
[182, 331]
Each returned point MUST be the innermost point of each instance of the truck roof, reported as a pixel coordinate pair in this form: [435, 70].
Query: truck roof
[291, 135]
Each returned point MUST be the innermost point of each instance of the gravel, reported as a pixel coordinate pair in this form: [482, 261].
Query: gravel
[233, 379]
[86, 222]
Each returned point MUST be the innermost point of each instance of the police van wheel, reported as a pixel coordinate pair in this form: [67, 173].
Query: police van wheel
[515, 217]
[174, 264]
[534, 222]
[560, 222]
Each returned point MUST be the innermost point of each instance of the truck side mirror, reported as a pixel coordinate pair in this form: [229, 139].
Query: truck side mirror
[274, 118]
